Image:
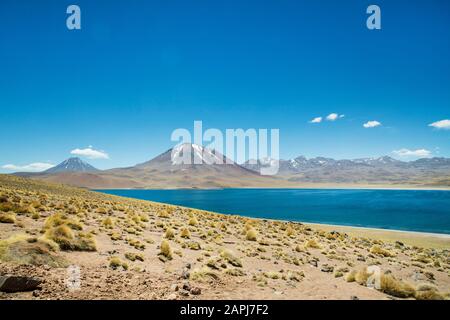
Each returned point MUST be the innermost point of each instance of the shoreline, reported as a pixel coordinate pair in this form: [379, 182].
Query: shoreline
[302, 187]
[413, 238]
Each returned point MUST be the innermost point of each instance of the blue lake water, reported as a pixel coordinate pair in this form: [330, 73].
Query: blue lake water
[411, 210]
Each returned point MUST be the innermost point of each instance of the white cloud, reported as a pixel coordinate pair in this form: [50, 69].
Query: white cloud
[32, 167]
[316, 120]
[372, 124]
[419, 153]
[334, 116]
[443, 124]
[90, 153]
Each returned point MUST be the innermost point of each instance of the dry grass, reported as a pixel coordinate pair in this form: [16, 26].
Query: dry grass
[376, 249]
[165, 250]
[132, 256]
[193, 221]
[67, 240]
[116, 263]
[9, 217]
[185, 233]
[312, 243]
[24, 249]
[396, 288]
[251, 235]
[231, 258]
[169, 234]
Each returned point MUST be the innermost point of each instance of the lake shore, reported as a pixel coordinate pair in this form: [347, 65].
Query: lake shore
[412, 238]
[305, 186]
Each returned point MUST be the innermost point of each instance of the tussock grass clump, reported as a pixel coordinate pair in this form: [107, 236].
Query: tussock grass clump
[136, 244]
[185, 233]
[116, 236]
[362, 276]
[312, 243]
[230, 257]
[169, 234]
[235, 272]
[193, 221]
[251, 235]
[108, 223]
[350, 277]
[68, 241]
[9, 217]
[163, 214]
[193, 245]
[165, 250]
[428, 292]
[396, 288]
[203, 274]
[290, 231]
[293, 276]
[59, 219]
[376, 249]
[101, 210]
[272, 275]
[134, 256]
[116, 263]
[24, 249]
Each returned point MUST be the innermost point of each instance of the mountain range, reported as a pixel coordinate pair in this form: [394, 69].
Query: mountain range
[166, 172]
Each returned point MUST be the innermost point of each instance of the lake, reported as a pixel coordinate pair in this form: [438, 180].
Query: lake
[409, 210]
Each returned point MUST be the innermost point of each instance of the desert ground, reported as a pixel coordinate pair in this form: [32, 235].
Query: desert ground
[80, 244]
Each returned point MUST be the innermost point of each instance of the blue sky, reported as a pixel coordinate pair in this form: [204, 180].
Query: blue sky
[137, 70]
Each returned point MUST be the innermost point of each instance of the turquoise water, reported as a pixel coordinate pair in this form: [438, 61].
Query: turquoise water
[410, 210]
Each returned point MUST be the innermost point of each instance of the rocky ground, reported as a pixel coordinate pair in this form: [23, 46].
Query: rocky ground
[80, 244]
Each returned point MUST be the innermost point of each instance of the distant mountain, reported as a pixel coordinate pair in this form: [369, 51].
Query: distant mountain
[361, 171]
[71, 165]
[167, 172]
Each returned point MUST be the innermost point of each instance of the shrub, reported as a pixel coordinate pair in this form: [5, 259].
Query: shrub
[169, 234]
[381, 252]
[229, 256]
[395, 287]
[203, 274]
[23, 249]
[251, 234]
[116, 263]
[108, 223]
[312, 243]
[185, 233]
[428, 292]
[7, 217]
[272, 275]
[134, 256]
[165, 250]
[66, 239]
[350, 277]
[58, 219]
[362, 276]
[193, 221]
[235, 272]
[289, 231]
